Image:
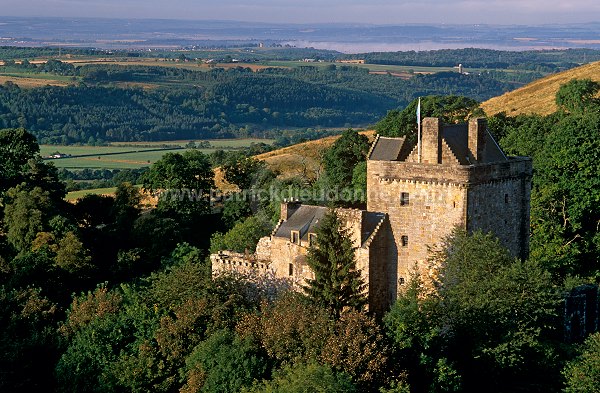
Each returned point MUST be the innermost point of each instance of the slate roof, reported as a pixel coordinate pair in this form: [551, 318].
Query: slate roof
[456, 136]
[305, 219]
[387, 149]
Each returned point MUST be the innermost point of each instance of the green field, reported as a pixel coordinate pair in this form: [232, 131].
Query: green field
[46, 150]
[215, 143]
[143, 155]
[73, 195]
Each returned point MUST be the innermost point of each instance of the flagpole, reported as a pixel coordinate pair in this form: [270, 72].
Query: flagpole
[419, 130]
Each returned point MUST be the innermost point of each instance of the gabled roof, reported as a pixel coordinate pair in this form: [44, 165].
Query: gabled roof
[387, 149]
[305, 220]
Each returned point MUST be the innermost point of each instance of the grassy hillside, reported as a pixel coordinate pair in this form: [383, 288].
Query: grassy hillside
[302, 159]
[538, 97]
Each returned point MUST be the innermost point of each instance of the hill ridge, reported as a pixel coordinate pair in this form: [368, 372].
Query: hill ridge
[538, 97]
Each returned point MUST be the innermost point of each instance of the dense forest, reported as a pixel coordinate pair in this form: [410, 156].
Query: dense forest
[536, 60]
[104, 295]
[147, 103]
[218, 103]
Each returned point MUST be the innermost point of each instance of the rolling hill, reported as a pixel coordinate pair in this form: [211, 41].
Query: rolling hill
[538, 96]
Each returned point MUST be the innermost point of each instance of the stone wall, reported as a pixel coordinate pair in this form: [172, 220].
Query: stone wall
[502, 207]
[287, 257]
[373, 261]
[351, 220]
[435, 206]
[494, 197]
[229, 261]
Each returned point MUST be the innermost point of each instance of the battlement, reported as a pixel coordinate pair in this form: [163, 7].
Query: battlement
[472, 174]
[229, 261]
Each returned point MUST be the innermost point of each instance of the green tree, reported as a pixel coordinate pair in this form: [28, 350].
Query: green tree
[578, 95]
[412, 326]
[583, 373]
[241, 170]
[340, 159]
[185, 181]
[337, 284]
[492, 322]
[502, 315]
[291, 328]
[71, 255]
[234, 210]
[242, 237]
[564, 197]
[127, 206]
[28, 344]
[359, 177]
[94, 210]
[452, 109]
[357, 347]
[26, 213]
[565, 205]
[224, 363]
[310, 377]
[17, 146]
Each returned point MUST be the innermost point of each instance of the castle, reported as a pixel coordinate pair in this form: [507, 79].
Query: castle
[415, 197]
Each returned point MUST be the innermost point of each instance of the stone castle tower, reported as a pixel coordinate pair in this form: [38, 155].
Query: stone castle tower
[461, 179]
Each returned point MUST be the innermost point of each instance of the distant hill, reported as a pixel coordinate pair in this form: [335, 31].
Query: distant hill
[538, 97]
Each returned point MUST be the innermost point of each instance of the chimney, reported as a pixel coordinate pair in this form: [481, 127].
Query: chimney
[431, 139]
[477, 130]
[288, 208]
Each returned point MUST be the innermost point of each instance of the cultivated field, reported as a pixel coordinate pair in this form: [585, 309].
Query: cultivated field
[131, 155]
[74, 195]
[27, 81]
[215, 143]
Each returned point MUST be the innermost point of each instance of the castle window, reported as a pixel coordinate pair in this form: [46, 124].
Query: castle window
[295, 237]
[404, 199]
[401, 281]
[312, 239]
[505, 198]
[404, 240]
[291, 269]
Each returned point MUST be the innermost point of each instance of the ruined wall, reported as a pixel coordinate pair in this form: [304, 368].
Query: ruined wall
[285, 253]
[229, 261]
[351, 220]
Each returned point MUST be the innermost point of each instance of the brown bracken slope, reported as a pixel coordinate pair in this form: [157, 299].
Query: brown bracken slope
[538, 96]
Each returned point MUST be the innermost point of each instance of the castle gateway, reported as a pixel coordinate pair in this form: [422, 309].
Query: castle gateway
[461, 179]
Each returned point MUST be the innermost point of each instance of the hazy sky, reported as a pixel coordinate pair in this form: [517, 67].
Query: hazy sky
[311, 11]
